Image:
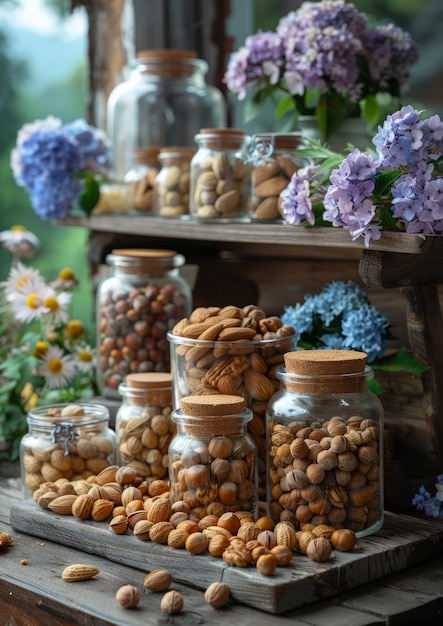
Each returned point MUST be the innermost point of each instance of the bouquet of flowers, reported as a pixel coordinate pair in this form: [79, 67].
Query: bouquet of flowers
[60, 166]
[323, 60]
[342, 318]
[44, 355]
[399, 187]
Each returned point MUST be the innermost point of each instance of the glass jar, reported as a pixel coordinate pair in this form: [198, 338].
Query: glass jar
[137, 304]
[220, 176]
[212, 459]
[141, 177]
[171, 188]
[164, 102]
[143, 424]
[71, 441]
[274, 163]
[115, 197]
[235, 366]
[325, 443]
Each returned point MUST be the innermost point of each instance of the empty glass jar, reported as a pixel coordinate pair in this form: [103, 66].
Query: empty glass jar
[325, 443]
[164, 102]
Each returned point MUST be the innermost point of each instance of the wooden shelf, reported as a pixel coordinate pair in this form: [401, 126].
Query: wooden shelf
[266, 234]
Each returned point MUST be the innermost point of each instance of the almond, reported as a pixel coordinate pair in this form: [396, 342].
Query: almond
[228, 202]
[268, 209]
[157, 580]
[207, 180]
[62, 505]
[258, 385]
[289, 167]
[271, 187]
[76, 572]
[234, 334]
[264, 172]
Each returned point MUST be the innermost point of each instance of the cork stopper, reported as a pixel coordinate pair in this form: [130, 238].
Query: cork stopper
[221, 138]
[212, 405]
[280, 141]
[326, 371]
[145, 259]
[149, 388]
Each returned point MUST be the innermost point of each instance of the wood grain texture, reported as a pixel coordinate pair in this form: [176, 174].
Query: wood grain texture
[403, 541]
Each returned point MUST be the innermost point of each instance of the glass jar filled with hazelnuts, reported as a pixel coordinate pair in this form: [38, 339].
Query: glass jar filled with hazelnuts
[325, 450]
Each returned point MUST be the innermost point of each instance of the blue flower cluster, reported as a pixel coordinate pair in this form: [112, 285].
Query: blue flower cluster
[399, 187]
[50, 159]
[430, 505]
[339, 318]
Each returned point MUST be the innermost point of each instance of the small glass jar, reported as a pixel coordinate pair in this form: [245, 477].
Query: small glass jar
[220, 176]
[141, 177]
[164, 101]
[71, 441]
[274, 163]
[137, 304]
[143, 424]
[325, 443]
[115, 197]
[212, 459]
[171, 188]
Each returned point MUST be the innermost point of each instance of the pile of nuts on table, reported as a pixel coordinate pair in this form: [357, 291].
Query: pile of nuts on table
[127, 503]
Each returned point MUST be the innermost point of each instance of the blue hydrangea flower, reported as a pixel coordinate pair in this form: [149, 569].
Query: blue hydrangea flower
[365, 329]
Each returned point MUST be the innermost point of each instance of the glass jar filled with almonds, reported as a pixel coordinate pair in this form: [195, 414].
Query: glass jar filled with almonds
[212, 458]
[141, 178]
[273, 165]
[143, 423]
[66, 441]
[325, 443]
[171, 187]
[220, 176]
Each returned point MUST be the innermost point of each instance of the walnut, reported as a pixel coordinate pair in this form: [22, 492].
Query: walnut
[237, 553]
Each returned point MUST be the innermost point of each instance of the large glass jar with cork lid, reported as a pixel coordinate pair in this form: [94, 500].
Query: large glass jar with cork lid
[137, 304]
[143, 423]
[212, 458]
[164, 102]
[325, 443]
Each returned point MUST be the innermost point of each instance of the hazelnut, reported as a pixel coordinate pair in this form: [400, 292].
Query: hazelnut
[128, 596]
[172, 602]
[217, 595]
[344, 539]
[266, 564]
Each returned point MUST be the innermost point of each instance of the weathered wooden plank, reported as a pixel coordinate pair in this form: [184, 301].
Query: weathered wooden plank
[403, 541]
[281, 234]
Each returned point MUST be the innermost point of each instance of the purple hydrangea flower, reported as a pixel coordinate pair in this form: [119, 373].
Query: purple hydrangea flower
[296, 205]
[92, 144]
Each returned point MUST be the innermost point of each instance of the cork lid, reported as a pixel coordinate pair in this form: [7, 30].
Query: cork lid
[290, 141]
[144, 253]
[145, 259]
[169, 62]
[167, 53]
[212, 405]
[221, 138]
[326, 371]
[149, 380]
[147, 154]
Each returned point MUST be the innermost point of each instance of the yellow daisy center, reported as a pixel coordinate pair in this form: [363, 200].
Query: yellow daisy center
[85, 356]
[74, 329]
[18, 229]
[55, 366]
[66, 274]
[41, 347]
[52, 304]
[33, 301]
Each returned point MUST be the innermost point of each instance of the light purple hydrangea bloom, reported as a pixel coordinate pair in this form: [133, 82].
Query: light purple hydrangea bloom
[93, 145]
[296, 205]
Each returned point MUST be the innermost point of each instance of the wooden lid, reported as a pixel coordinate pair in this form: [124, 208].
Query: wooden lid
[144, 253]
[290, 141]
[167, 53]
[212, 405]
[149, 380]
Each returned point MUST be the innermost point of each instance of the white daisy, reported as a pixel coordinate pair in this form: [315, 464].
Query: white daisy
[20, 277]
[56, 304]
[85, 358]
[29, 303]
[57, 368]
[19, 241]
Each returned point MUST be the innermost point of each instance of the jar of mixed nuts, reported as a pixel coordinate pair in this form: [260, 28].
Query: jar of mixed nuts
[141, 300]
[325, 443]
[71, 441]
[141, 178]
[143, 423]
[171, 188]
[274, 163]
[212, 459]
[220, 176]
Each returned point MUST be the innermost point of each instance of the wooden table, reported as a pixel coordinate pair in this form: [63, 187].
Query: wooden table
[32, 592]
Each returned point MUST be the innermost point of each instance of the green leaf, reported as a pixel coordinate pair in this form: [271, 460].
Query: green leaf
[370, 110]
[384, 181]
[401, 361]
[90, 195]
[375, 387]
[285, 105]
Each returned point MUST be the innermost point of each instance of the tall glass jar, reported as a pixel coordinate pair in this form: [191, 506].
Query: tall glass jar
[141, 178]
[171, 188]
[325, 443]
[137, 304]
[273, 164]
[220, 176]
[164, 102]
[212, 459]
[71, 441]
[143, 424]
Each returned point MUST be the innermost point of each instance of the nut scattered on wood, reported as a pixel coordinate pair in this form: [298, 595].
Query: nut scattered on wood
[157, 580]
[5, 540]
[128, 596]
[217, 595]
[319, 549]
[78, 571]
[172, 602]
[344, 539]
